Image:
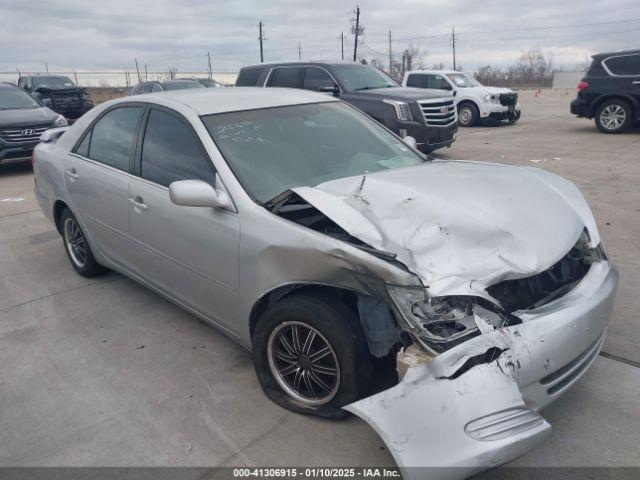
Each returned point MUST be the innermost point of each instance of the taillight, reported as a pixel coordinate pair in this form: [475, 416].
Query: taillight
[582, 86]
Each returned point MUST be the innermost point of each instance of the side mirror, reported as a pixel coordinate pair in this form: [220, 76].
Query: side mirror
[334, 89]
[196, 193]
[410, 141]
[52, 134]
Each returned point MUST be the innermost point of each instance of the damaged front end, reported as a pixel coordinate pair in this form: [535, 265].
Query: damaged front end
[509, 309]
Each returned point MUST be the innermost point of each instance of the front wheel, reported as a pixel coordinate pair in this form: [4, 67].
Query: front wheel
[311, 356]
[613, 116]
[468, 115]
[77, 247]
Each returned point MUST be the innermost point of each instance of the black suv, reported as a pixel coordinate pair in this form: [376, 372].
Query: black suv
[427, 115]
[22, 120]
[58, 93]
[610, 91]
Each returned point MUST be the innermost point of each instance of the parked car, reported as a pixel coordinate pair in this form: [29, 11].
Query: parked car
[22, 120]
[429, 116]
[610, 91]
[165, 86]
[58, 93]
[208, 82]
[475, 102]
[321, 241]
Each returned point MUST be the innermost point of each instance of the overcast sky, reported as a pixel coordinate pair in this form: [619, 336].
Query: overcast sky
[108, 35]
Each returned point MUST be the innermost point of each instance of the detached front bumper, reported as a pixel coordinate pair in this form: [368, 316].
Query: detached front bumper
[459, 414]
[500, 112]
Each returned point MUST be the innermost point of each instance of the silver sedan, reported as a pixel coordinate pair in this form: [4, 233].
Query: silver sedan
[339, 254]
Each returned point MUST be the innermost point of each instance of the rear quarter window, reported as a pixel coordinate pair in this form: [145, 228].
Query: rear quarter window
[623, 64]
[248, 77]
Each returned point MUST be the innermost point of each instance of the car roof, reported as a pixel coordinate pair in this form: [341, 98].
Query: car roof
[206, 101]
[619, 52]
[446, 72]
[304, 64]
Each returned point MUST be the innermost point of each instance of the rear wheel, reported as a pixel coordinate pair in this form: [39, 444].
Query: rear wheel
[613, 116]
[311, 356]
[468, 115]
[77, 247]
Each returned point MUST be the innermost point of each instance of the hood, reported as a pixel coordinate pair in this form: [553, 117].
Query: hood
[460, 226]
[25, 117]
[403, 93]
[495, 90]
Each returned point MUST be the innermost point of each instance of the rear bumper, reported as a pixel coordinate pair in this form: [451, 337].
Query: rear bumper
[581, 108]
[457, 422]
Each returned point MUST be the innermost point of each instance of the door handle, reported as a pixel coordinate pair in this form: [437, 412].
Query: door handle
[138, 203]
[71, 173]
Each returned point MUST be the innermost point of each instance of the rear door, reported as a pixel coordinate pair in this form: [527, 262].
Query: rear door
[624, 75]
[191, 253]
[96, 176]
[285, 77]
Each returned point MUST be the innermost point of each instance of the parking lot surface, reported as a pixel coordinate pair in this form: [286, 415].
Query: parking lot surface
[103, 372]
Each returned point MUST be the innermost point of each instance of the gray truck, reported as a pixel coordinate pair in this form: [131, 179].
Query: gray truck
[428, 115]
[59, 93]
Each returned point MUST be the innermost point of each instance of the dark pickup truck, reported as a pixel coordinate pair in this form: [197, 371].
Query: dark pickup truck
[427, 115]
[58, 93]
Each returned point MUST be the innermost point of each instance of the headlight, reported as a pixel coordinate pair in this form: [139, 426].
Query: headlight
[60, 121]
[403, 112]
[442, 322]
[492, 99]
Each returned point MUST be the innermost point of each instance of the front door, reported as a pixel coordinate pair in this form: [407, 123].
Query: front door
[191, 253]
[97, 176]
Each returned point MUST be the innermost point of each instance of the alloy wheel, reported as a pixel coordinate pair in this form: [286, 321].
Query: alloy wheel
[613, 117]
[465, 115]
[303, 363]
[75, 242]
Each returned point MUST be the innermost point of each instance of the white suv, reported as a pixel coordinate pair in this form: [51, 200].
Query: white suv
[475, 102]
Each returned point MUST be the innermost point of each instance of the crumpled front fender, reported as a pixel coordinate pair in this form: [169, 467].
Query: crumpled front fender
[452, 428]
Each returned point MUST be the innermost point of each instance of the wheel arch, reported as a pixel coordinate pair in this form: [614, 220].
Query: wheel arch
[58, 208]
[635, 108]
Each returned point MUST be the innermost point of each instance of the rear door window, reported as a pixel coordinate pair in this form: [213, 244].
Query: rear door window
[624, 64]
[428, 81]
[171, 152]
[113, 138]
[249, 77]
[287, 77]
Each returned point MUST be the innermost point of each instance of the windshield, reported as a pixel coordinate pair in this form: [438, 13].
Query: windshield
[15, 98]
[182, 85]
[52, 82]
[463, 80]
[274, 149]
[361, 77]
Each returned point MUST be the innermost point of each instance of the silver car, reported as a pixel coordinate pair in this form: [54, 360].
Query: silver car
[340, 255]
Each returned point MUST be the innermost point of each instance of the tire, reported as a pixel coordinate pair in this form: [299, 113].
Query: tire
[280, 364]
[515, 117]
[77, 247]
[613, 116]
[468, 114]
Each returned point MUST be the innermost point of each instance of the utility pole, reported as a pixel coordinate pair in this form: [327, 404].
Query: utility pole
[453, 45]
[299, 51]
[46, 65]
[146, 76]
[342, 44]
[390, 56]
[138, 70]
[357, 30]
[261, 39]
[75, 75]
[209, 65]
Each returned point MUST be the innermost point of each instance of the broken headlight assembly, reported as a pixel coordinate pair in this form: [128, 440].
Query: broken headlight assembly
[440, 323]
